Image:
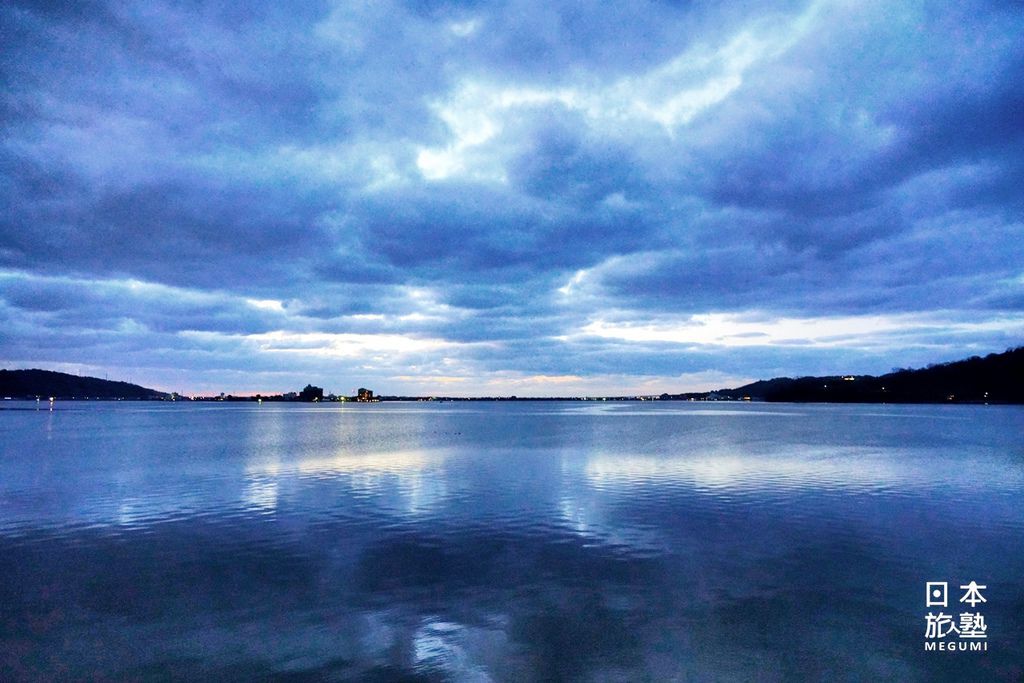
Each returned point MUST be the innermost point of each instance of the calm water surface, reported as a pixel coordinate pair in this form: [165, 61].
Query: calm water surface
[514, 541]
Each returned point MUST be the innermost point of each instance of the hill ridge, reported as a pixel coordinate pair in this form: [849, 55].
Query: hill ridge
[36, 383]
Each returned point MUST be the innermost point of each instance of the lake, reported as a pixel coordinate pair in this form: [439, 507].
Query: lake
[520, 541]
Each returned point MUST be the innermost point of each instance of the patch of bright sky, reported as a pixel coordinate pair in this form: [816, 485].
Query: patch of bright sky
[507, 383]
[465, 29]
[575, 280]
[266, 304]
[326, 344]
[722, 329]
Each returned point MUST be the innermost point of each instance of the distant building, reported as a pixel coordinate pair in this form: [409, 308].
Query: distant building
[364, 395]
[311, 393]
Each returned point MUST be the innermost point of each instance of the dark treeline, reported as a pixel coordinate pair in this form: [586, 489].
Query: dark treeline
[45, 383]
[996, 378]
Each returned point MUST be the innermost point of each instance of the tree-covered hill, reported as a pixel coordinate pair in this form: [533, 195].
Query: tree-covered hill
[996, 378]
[45, 383]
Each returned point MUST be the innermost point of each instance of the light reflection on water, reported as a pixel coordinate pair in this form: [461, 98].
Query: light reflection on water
[517, 541]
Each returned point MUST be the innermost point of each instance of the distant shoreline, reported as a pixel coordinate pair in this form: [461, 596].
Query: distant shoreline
[496, 399]
[998, 378]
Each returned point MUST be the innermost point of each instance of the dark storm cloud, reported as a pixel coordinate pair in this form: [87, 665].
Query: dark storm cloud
[470, 233]
[181, 232]
[477, 190]
[557, 163]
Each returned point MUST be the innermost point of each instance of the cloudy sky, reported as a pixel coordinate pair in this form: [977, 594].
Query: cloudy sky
[527, 197]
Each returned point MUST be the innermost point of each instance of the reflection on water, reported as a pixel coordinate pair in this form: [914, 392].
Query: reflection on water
[896, 471]
[479, 542]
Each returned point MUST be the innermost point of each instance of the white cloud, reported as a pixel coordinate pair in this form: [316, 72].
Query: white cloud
[671, 95]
